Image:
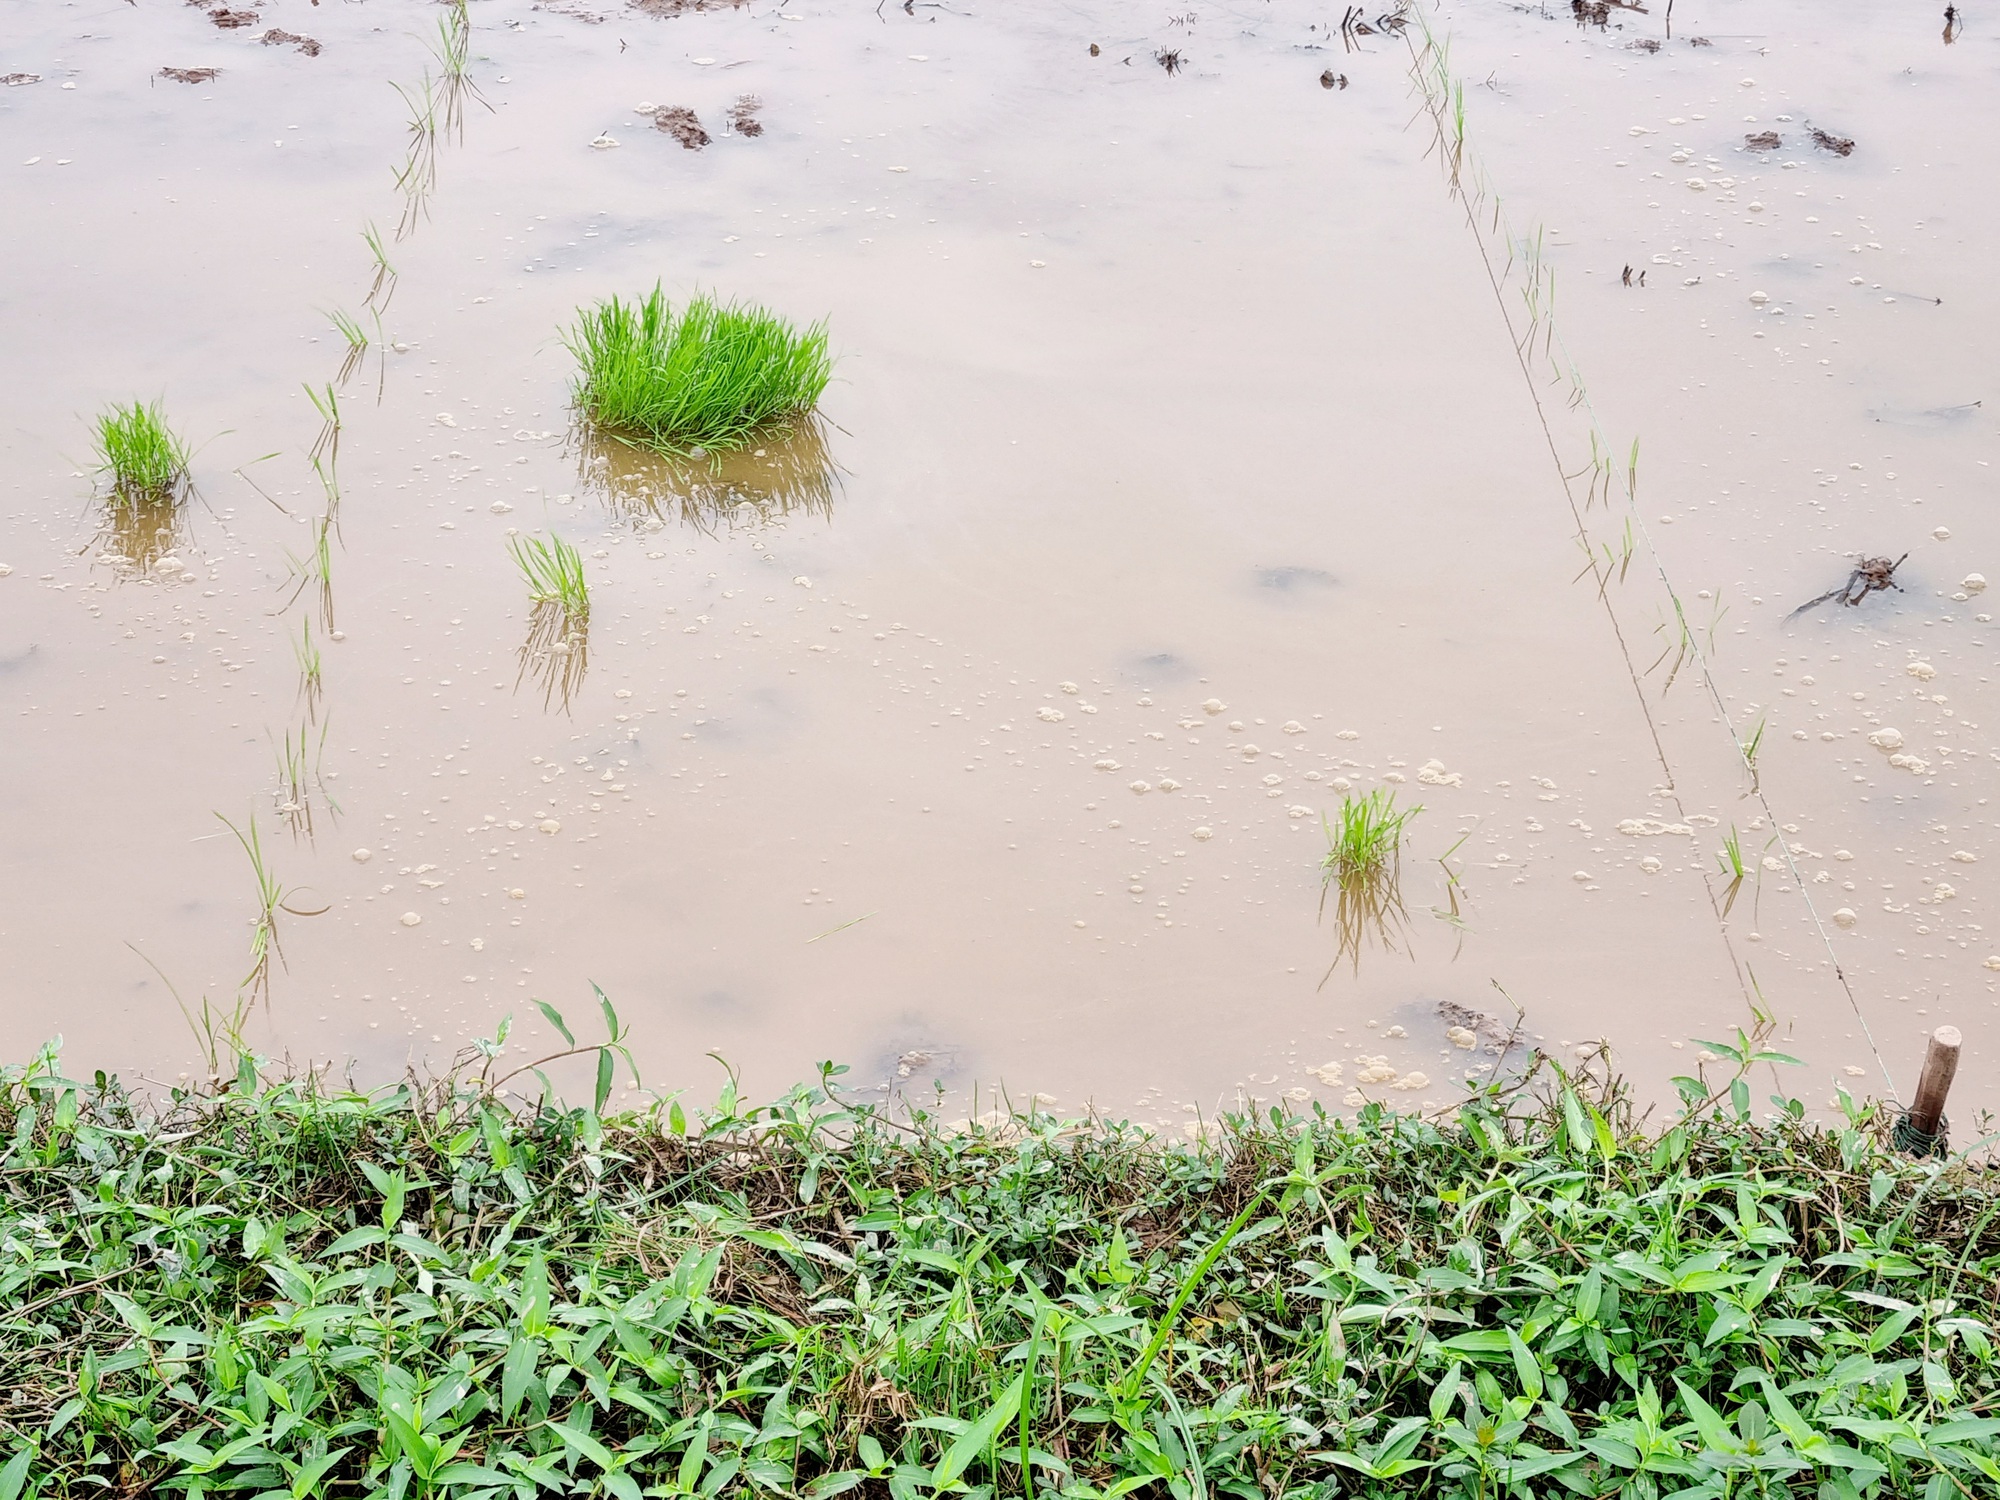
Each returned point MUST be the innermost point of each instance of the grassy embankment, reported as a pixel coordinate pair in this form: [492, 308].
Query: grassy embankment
[287, 1288]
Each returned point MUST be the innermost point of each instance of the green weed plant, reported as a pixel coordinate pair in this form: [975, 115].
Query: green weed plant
[283, 1287]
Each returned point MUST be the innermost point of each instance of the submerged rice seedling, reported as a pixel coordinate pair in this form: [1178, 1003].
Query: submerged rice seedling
[147, 461]
[697, 380]
[1363, 870]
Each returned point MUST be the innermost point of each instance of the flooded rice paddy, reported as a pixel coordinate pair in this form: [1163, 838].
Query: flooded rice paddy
[1235, 409]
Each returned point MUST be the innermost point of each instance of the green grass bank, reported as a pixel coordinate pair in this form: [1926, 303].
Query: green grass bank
[287, 1288]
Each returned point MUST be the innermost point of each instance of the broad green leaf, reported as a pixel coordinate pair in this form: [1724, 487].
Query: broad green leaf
[979, 1436]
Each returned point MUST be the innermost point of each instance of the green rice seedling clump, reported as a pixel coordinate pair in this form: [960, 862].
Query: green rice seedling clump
[147, 461]
[706, 376]
[1365, 843]
[287, 1285]
[554, 573]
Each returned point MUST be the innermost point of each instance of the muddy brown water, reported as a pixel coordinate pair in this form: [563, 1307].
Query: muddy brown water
[1181, 472]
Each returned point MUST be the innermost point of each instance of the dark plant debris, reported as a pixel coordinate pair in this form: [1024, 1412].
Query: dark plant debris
[1764, 140]
[15, 80]
[670, 8]
[1870, 576]
[277, 37]
[743, 115]
[1332, 80]
[1839, 145]
[231, 20]
[1644, 44]
[190, 75]
[1953, 24]
[683, 125]
[1629, 279]
[1170, 59]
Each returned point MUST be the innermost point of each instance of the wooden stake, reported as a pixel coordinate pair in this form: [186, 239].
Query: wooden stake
[1940, 1065]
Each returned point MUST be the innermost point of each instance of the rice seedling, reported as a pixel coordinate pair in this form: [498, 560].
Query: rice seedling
[384, 284]
[356, 338]
[467, 1286]
[272, 898]
[147, 460]
[1363, 869]
[556, 653]
[554, 573]
[1731, 859]
[1750, 749]
[699, 380]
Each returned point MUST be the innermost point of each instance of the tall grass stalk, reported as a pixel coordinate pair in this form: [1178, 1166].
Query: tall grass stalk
[146, 460]
[696, 380]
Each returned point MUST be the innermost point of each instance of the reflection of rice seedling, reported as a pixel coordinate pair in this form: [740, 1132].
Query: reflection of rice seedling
[272, 898]
[142, 535]
[1363, 868]
[791, 474]
[1750, 747]
[147, 462]
[557, 650]
[554, 573]
[315, 571]
[299, 780]
[698, 380]
[556, 654]
[309, 669]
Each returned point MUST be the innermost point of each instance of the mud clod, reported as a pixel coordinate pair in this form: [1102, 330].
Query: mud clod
[743, 115]
[1764, 140]
[683, 125]
[231, 20]
[1839, 145]
[1871, 575]
[670, 8]
[15, 80]
[278, 37]
[190, 75]
[1332, 80]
